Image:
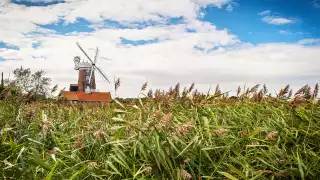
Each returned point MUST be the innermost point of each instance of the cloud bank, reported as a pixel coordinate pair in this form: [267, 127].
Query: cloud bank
[186, 51]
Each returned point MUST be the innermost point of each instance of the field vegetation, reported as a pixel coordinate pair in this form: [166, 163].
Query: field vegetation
[174, 134]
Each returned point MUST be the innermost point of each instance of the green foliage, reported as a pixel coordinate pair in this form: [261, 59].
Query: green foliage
[1, 89]
[29, 86]
[141, 139]
[40, 84]
[23, 79]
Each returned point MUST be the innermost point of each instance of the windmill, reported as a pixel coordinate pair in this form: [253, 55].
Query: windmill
[86, 80]
[85, 90]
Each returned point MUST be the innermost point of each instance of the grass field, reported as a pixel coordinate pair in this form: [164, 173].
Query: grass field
[256, 137]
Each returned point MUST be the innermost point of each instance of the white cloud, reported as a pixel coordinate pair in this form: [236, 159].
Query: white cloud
[10, 54]
[162, 64]
[141, 10]
[264, 12]
[217, 3]
[284, 32]
[309, 41]
[58, 50]
[270, 19]
[174, 60]
[277, 20]
[17, 19]
[229, 8]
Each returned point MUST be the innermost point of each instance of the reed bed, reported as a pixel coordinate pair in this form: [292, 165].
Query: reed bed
[167, 135]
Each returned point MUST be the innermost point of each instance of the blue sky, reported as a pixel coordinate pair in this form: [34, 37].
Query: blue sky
[225, 41]
[4, 45]
[243, 20]
[37, 3]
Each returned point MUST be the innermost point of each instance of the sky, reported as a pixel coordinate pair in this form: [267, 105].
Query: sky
[228, 42]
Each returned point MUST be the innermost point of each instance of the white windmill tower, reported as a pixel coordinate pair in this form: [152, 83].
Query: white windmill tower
[86, 79]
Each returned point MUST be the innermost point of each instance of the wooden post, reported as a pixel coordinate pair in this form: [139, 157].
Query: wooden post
[2, 80]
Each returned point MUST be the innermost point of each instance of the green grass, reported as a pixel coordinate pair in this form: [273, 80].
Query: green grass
[217, 140]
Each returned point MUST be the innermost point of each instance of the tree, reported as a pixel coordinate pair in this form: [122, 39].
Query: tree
[35, 84]
[40, 84]
[22, 79]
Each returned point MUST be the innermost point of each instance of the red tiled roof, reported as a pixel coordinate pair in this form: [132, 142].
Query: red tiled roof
[92, 97]
[71, 96]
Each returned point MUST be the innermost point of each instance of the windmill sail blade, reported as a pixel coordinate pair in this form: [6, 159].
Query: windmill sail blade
[84, 52]
[91, 72]
[96, 56]
[103, 75]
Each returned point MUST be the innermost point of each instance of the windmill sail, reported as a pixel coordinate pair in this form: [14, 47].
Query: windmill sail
[102, 73]
[87, 74]
[93, 64]
[84, 52]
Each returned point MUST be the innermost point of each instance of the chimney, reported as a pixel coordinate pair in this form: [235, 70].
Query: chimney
[2, 81]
